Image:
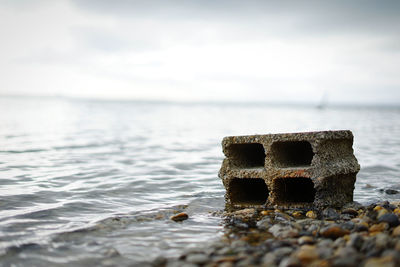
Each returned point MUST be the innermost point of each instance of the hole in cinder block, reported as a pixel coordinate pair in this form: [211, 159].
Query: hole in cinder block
[246, 155]
[294, 190]
[292, 153]
[248, 191]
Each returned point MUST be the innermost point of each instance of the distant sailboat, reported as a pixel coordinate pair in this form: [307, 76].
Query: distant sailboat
[323, 103]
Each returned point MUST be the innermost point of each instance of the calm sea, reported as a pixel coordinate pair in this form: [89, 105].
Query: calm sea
[94, 182]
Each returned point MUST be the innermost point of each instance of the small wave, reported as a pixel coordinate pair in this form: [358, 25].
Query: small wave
[377, 169]
[33, 150]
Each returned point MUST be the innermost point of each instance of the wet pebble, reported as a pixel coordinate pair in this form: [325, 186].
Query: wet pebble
[380, 262]
[197, 258]
[391, 191]
[307, 254]
[179, 217]
[330, 214]
[333, 232]
[389, 218]
[379, 227]
[305, 240]
[311, 214]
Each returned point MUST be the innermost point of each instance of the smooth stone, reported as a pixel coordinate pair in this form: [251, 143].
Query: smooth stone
[269, 259]
[330, 214]
[334, 232]
[297, 214]
[396, 231]
[350, 211]
[356, 241]
[197, 258]
[325, 252]
[307, 254]
[305, 240]
[381, 213]
[389, 218]
[290, 262]
[281, 231]
[379, 227]
[353, 205]
[348, 225]
[264, 223]
[391, 191]
[339, 242]
[380, 262]
[396, 211]
[282, 252]
[311, 214]
[180, 217]
[381, 240]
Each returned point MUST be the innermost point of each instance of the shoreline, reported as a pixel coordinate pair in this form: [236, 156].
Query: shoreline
[355, 235]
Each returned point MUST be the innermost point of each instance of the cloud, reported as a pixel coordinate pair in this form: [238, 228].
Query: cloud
[203, 50]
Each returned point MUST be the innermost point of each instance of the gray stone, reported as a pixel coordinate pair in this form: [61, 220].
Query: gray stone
[197, 258]
[389, 218]
[283, 231]
[330, 214]
[264, 223]
[356, 241]
[312, 169]
[290, 262]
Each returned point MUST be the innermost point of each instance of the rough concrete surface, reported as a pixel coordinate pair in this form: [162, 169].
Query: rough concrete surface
[310, 169]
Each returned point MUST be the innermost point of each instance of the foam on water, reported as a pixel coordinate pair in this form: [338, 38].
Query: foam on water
[92, 182]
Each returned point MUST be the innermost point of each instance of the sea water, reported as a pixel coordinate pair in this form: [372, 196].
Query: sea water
[85, 182]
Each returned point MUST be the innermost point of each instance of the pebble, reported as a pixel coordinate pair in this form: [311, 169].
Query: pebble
[305, 240]
[290, 262]
[354, 236]
[391, 191]
[179, 217]
[297, 214]
[389, 218]
[330, 214]
[334, 232]
[311, 214]
[379, 227]
[396, 211]
[307, 254]
[350, 211]
[264, 223]
[381, 240]
[382, 212]
[396, 231]
[380, 262]
[283, 231]
[346, 256]
[197, 258]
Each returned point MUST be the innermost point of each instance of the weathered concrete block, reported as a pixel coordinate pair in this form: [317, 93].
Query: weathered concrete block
[311, 169]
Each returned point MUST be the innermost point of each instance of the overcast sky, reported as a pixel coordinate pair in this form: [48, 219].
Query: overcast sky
[296, 51]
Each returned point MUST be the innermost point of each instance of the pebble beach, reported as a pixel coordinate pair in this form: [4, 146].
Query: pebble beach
[355, 235]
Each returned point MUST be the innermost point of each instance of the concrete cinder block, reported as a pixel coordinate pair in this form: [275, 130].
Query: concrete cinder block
[310, 169]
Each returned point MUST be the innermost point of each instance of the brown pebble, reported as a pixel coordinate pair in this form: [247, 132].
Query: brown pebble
[334, 232]
[311, 214]
[307, 254]
[396, 231]
[378, 208]
[379, 227]
[179, 217]
[380, 262]
[266, 212]
[297, 214]
[397, 211]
